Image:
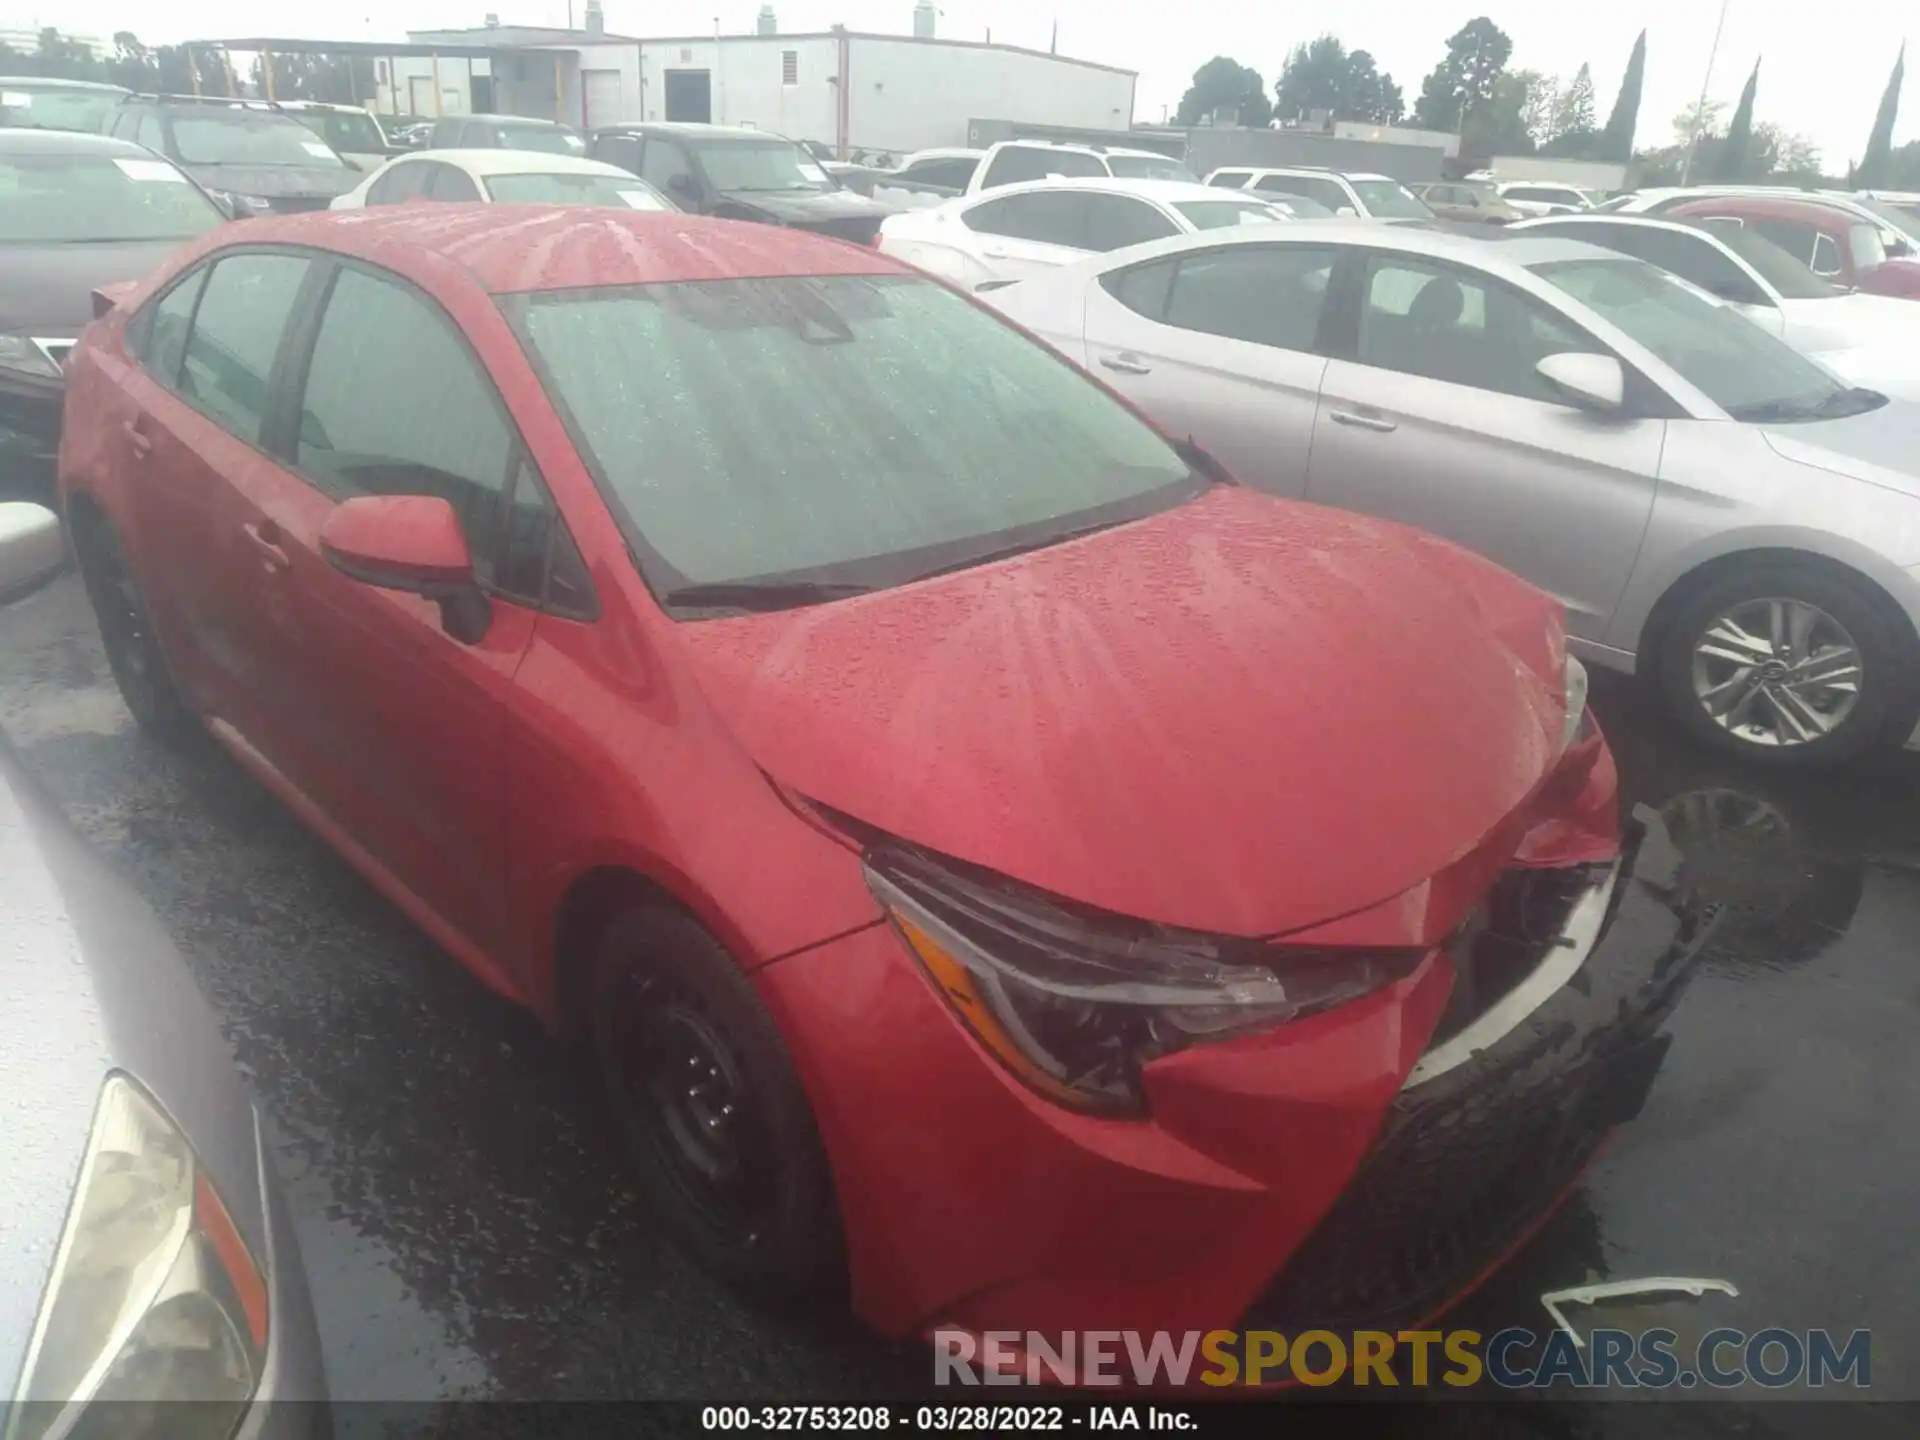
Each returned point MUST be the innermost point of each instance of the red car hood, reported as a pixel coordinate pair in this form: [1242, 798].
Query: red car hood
[1242, 715]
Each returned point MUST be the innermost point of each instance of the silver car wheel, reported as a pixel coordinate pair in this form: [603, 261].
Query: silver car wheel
[1777, 672]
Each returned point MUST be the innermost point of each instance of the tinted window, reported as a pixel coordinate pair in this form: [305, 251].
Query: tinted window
[1735, 363]
[1786, 272]
[164, 326]
[1232, 179]
[1051, 217]
[1793, 236]
[66, 198]
[1327, 192]
[248, 137]
[949, 174]
[236, 333]
[1030, 162]
[548, 139]
[452, 184]
[627, 192]
[1111, 222]
[400, 182]
[1450, 325]
[148, 133]
[383, 359]
[662, 161]
[862, 428]
[621, 150]
[1143, 289]
[1692, 257]
[1267, 294]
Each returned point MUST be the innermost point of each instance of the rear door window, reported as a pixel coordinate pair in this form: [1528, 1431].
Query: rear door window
[228, 360]
[452, 184]
[1112, 222]
[1051, 217]
[400, 182]
[1143, 289]
[1265, 294]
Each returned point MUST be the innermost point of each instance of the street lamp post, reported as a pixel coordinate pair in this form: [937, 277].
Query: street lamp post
[1699, 114]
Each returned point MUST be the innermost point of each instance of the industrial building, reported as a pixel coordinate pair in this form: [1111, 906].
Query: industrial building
[851, 90]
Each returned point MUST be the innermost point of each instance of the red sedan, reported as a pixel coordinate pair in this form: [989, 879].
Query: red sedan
[991, 855]
[1835, 244]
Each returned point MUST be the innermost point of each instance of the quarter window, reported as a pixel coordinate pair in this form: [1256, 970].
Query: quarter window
[151, 135]
[229, 355]
[400, 182]
[451, 184]
[1143, 289]
[383, 363]
[1448, 325]
[1826, 256]
[1265, 294]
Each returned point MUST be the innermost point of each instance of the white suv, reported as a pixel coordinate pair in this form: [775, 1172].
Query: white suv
[1370, 197]
[1012, 161]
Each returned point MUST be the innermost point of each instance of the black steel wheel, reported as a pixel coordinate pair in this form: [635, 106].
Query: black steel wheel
[714, 1119]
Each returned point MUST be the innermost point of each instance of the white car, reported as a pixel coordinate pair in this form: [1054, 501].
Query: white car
[502, 177]
[1012, 161]
[1356, 194]
[353, 132]
[1543, 197]
[1866, 339]
[1021, 230]
[928, 177]
[1712, 507]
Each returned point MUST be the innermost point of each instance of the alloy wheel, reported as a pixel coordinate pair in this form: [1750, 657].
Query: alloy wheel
[1777, 672]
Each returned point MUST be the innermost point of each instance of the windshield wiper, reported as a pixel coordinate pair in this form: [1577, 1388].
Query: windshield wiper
[762, 594]
[1838, 405]
[1854, 400]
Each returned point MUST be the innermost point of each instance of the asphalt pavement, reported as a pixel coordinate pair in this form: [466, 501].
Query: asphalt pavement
[468, 1234]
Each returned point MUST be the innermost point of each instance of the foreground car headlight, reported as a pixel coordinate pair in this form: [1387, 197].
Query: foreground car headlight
[153, 1296]
[1579, 724]
[1075, 1001]
[19, 354]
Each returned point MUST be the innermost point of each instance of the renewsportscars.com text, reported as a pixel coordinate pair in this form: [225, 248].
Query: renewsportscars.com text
[1512, 1359]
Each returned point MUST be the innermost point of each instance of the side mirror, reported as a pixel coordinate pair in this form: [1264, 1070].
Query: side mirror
[1591, 382]
[1347, 212]
[32, 549]
[411, 543]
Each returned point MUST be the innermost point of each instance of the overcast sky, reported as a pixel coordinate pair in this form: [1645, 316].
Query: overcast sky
[1824, 65]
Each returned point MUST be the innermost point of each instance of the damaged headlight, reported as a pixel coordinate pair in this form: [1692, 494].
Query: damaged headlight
[153, 1299]
[1076, 1001]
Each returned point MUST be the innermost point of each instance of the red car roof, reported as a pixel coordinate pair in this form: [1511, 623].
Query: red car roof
[1775, 207]
[509, 248]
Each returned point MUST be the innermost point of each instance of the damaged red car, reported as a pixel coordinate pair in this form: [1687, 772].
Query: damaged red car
[992, 856]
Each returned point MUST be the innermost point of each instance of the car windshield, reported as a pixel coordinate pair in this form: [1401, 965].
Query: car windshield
[1296, 207]
[66, 199]
[1149, 167]
[1716, 349]
[249, 137]
[543, 139]
[349, 131]
[760, 165]
[1219, 214]
[843, 431]
[1786, 273]
[550, 188]
[29, 107]
[1390, 200]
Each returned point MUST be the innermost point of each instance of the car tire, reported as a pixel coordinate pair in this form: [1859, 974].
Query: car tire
[139, 665]
[709, 1108]
[1756, 663]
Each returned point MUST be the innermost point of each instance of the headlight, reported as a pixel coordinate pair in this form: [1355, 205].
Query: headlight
[153, 1297]
[1075, 1001]
[1576, 699]
[19, 354]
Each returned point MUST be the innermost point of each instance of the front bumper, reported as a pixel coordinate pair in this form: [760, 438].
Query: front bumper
[1285, 1179]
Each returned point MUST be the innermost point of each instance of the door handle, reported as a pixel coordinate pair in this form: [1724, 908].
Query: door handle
[1126, 363]
[1361, 420]
[136, 439]
[265, 538]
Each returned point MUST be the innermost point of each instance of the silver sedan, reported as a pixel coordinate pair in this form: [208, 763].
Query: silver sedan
[1712, 507]
[145, 1255]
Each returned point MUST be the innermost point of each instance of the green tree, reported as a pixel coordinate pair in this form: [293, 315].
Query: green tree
[1733, 157]
[1324, 75]
[60, 58]
[1220, 84]
[1616, 141]
[1573, 109]
[1877, 164]
[1499, 127]
[1779, 154]
[1477, 53]
[1543, 97]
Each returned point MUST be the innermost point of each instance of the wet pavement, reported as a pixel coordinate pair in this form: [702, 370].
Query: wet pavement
[467, 1234]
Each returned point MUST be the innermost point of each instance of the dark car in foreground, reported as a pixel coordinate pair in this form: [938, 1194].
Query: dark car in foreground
[250, 154]
[739, 174]
[38, 102]
[863, 733]
[79, 211]
[148, 1258]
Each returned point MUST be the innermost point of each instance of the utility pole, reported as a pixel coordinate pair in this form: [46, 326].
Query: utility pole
[1700, 112]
